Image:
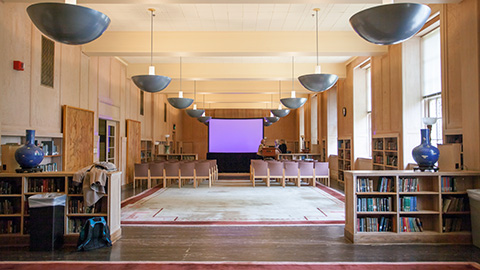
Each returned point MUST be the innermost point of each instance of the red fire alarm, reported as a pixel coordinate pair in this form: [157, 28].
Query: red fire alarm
[18, 65]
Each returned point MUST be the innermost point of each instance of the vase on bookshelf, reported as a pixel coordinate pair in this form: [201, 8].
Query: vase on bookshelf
[425, 154]
[29, 155]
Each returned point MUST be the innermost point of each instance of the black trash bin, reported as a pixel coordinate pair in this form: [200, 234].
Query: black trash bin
[47, 221]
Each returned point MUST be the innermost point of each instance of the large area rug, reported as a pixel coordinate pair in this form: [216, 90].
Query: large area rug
[74, 265]
[235, 205]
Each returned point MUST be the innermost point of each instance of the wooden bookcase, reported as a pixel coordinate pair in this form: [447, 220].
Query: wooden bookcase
[146, 151]
[385, 152]
[344, 157]
[15, 189]
[413, 198]
[300, 156]
[176, 157]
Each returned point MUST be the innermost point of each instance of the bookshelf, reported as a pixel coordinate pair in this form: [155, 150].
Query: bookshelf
[408, 207]
[385, 152]
[176, 157]
[15, 189]
[344, 157]
[146, 151]
[300, 156]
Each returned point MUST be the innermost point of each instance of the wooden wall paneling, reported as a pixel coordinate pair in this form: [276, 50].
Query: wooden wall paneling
[282, 129]
[385, 114]
[134, 131]
[377, 98]
[307, 116]
[332, 121]
[116, 70]
[395, 53]
[84, 81]
[104, 71]
[70, 75]
[147, 118]
[46, 111]
[93, 84]
[78, 138]
[452, 32]
[196, 135]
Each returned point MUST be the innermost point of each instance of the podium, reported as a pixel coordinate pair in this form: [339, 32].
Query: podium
[269, 152]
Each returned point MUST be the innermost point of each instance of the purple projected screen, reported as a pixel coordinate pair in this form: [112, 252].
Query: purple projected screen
[234, 135]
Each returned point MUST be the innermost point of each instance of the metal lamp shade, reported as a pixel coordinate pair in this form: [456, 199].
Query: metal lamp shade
[267, 124]
[272, 119]
[390, 24]
[194, 113]
[69, 24]
[280, 113]
[204, 119]
[180, 103]
[318, 82]
[151, 83]
[293, 103]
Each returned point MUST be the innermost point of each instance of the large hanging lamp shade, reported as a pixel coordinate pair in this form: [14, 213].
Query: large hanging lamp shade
[318, 82]
[195, 113]
[391, 23]
[293, 102]
[272, 119]
[67, 23]
[151, 83]
[280, 112]
[180, 102]
[267, 124]
[204, 119]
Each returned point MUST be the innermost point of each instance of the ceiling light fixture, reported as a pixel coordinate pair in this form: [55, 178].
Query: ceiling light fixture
[293, 102]
[280, 112]
[180, 102]
[151, 83]
[390, 23]
[194, 112]
[68, 23]
[318, 82]
[204, 119]
[272, 118]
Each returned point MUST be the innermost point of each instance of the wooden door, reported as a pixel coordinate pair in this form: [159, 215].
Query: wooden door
[134, 134]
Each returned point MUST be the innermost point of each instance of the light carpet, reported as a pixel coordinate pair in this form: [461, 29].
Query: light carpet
[223, 204]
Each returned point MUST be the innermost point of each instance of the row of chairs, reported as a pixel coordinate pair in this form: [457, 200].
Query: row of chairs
[296, 171]
[181, 171]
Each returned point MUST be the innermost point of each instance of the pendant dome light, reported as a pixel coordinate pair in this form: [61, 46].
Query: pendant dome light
[68, 23]
[272, 118]
[318, 82]
[390, 23]
[204, 119]
[194, 112]
[180, 102]
[280, 112]
[151, 83]
[293, 102]
[266, 123]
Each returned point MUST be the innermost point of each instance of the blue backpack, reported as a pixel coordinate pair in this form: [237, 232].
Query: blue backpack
[94, 234]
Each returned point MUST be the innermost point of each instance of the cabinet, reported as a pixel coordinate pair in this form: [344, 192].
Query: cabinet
[385, 152]
[404, 206]
[176, 157]
[15, 189]
[344, 157]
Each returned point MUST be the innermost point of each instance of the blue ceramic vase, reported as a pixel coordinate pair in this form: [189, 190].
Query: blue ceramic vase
[29, 155]
[426, 155]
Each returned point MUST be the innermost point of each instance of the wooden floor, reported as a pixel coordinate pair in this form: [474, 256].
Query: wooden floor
[248, 243]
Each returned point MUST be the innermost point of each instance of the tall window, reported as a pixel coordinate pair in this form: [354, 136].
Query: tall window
[431, 76]
[368, 86]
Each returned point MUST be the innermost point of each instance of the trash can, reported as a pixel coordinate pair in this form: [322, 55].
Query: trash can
[474, 198]
[47, 221]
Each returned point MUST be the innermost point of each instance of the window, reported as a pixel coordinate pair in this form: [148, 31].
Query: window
[368, 86]
[431, 81]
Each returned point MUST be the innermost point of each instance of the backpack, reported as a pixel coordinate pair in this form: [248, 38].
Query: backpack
[94, 234]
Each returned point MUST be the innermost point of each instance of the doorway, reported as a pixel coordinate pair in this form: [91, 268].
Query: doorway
[108, 149]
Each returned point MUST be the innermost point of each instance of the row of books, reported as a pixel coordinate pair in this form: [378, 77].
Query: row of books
[392, 160]
[391, 145]
[9, 226]
[452, 184]
[378, 159]
[455, 204]
[49, 167]
[374, 204]
[46, 185]
[6, 187]
[6, 207]
[408, 185]
[408, 203]
[75, 225]
[411, 224]
[76, 206]
[74, 189]
[385, 184]
[378, 144]
[452, 224]
[374, 224]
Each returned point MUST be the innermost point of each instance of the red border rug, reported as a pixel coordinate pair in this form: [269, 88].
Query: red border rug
[338, 195]
[75, 265]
